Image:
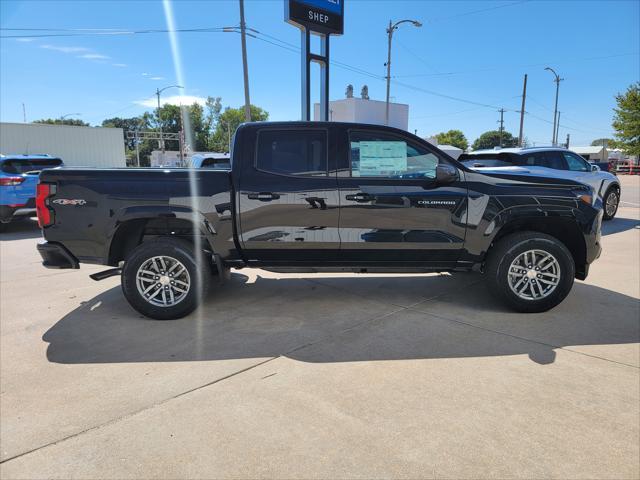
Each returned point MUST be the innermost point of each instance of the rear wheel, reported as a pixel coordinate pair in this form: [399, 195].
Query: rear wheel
[165, 279]
[611, 201]
[530, 271]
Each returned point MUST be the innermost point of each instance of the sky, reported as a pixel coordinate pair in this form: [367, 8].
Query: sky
[465, 63]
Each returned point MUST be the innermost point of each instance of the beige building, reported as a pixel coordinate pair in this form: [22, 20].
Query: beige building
[76, 146]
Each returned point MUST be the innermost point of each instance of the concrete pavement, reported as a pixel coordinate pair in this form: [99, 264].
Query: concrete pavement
[321, 376]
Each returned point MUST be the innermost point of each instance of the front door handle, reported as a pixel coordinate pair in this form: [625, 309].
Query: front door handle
[263, 196]
[360, 197]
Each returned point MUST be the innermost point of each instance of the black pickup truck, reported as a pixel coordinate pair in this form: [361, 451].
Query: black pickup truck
[319, 197]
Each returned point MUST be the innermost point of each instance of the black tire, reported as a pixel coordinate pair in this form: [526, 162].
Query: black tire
[509, 248]
[180, 250]
[3, 227]
[609, 196]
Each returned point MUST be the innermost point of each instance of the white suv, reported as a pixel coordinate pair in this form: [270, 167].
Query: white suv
[550, 162]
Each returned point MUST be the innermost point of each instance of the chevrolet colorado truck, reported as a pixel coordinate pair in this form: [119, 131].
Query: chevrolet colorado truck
[319, 197]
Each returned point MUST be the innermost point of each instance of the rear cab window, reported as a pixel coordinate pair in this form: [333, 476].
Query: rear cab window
[382, 155]
[19, 166]
[292, 152]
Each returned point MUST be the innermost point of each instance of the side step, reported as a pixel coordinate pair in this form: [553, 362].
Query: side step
[112, 272]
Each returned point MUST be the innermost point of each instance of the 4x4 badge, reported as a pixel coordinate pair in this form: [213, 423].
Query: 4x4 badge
[69, 201]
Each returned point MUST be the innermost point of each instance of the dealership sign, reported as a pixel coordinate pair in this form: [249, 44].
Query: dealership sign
[320, 16]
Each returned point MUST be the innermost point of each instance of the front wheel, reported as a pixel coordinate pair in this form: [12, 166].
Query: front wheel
[611, 201]
[530, 271]
[165, 279]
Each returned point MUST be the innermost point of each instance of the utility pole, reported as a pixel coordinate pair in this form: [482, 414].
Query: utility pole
[524, 97]
[555, 143]
[568, 138]
[245, 68]
[158, 92]
[556, 124]
[390, 30]
[501, 122]
[24, 113]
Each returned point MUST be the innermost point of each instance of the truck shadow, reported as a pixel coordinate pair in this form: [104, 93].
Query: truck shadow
[20, 230]
[618, 225]
[342, 319]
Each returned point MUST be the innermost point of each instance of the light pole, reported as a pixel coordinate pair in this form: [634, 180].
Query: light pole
[158, 92]
[390, 30]
[245, 68]
[557, 79]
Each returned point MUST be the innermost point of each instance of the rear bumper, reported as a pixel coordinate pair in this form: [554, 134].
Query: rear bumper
[54, 255]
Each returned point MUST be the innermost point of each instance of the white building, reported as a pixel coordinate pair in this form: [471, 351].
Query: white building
[76, 146]
[365, 111]
[595, 153]
[452, 151]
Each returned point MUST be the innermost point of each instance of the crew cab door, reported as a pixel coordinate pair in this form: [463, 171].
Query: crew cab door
[287, 197]
[392, 208]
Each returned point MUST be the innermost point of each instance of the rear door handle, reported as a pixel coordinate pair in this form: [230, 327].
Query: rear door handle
[263, 196]
[360, 197]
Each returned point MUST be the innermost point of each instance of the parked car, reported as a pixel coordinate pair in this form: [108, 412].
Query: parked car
[553, 162]
[319, 197]
[18, 180]
[220, 161]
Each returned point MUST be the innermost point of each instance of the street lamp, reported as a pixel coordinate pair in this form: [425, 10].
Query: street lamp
[557, 79]
[68, 115]
[158, 92]
[390, 30]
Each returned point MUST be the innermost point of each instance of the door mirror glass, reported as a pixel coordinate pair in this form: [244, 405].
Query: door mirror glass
[595, 168]
[446, 173]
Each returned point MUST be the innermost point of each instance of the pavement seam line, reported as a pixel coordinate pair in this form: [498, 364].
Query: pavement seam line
[497, 332]
[134, 413]
[166, 400]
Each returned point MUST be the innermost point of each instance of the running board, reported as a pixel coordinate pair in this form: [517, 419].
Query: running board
[112, 272]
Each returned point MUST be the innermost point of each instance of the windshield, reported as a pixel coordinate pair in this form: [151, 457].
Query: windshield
[30, 166]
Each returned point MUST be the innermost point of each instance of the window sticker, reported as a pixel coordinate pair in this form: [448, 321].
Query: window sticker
[382, 158]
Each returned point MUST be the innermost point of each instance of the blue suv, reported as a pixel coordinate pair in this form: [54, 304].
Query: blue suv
[18, 181]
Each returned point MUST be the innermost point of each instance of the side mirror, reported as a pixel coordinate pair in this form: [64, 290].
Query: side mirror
[446, 173]
[595, 168]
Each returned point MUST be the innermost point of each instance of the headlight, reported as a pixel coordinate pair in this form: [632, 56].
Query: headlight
[586, 194]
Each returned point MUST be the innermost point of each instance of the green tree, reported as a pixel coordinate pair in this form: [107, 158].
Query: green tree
[607, 142]
[141, 123]
[63, 121]
[228, 122]
[453, 137]
[626, 121]
[491, 139]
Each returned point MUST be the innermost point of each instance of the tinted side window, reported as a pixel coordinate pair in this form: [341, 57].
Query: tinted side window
[292, 152]
[383, 155]
[544, 159]
[576, 164]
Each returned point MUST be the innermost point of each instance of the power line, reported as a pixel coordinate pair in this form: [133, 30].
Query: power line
[105, 32]
[506, 67]
[472, 12]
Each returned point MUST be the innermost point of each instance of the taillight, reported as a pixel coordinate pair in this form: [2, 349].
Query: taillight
[11, 181]
[45, 214]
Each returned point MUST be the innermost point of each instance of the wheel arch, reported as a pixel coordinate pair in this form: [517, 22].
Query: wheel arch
[134, 228]
[566, 232]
